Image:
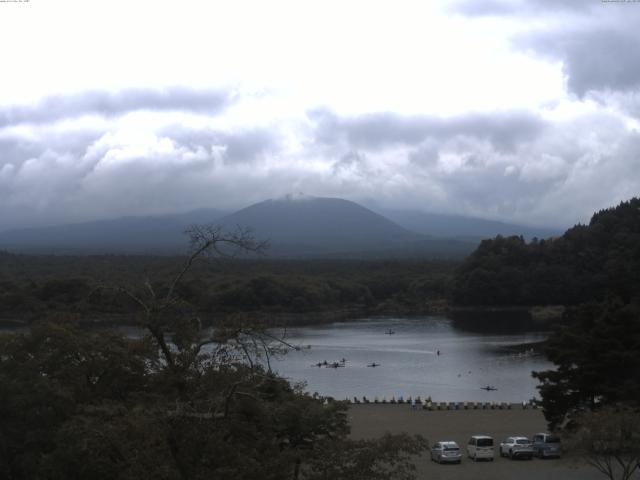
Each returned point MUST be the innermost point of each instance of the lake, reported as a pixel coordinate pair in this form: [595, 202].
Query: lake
[470, 357]
[409, 363]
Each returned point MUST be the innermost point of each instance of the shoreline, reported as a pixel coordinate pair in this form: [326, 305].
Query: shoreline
[540, 316]
[270, 319]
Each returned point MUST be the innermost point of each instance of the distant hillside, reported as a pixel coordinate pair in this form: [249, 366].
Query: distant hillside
[457, 226]
[153, 234]
[310, 225]
[296, 227]
[585, 264]
[315, 226]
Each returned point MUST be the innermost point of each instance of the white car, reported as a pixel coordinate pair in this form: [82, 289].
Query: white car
[448, 452]
[480, 446]
[516, 447]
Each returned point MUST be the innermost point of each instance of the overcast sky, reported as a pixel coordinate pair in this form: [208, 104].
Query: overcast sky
[520, 111]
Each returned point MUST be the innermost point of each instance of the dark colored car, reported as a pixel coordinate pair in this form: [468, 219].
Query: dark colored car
[546, 445]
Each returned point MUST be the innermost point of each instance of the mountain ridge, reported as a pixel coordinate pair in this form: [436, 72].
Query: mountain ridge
[460, 226]
[297, 226]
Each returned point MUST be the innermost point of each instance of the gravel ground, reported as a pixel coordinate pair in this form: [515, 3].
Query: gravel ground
[370, 421]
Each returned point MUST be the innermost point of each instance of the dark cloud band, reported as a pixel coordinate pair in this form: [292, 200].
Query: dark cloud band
[503, 129]
[111, 104]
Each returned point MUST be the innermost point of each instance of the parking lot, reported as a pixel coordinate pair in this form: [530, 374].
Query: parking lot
[370, 421]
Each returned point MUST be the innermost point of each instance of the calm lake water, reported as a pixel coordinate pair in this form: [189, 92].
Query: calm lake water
[409, 364]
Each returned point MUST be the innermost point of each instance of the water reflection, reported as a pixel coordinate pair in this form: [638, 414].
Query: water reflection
[409, 360]
[494, 321]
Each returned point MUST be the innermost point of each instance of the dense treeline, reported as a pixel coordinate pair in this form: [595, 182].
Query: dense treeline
[597, 353]
[32, 285]
[181, 401]
[585, 264]
[594, 270]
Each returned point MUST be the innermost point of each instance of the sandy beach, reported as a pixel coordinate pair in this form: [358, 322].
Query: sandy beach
[373, 420]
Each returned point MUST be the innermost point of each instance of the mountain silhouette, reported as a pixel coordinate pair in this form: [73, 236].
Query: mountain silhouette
[295, 226]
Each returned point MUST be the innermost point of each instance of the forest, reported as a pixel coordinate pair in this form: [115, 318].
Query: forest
[181, 401]
[594, 271]
[31, 286]
[586, 263]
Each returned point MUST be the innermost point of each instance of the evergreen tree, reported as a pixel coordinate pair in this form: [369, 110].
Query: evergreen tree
[597, 358]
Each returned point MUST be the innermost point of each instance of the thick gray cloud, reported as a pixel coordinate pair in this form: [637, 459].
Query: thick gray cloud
[50, 174]
[16, 149]
[110, 104]
[509, 165]
[504, 130]
[598, 58]
[597, 42]
[474, 8]
[243, 146]
[627, 103]
[426, 154]
[351, 163]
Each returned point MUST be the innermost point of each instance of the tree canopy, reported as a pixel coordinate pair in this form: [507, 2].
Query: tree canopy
[179, 402]
[35, 285]
[585, 264]
[597, 358]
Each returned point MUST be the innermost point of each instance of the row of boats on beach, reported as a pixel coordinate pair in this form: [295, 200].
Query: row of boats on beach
[425, 403]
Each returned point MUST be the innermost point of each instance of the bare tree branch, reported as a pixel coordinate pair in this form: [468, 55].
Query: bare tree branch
[147, 283]
[206, 237]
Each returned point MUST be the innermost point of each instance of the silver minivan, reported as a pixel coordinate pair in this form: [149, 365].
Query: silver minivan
[446, 452]
[480, 446]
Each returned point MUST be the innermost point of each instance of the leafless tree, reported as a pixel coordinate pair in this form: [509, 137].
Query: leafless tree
[163, 309]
